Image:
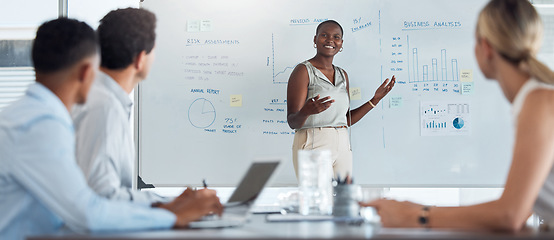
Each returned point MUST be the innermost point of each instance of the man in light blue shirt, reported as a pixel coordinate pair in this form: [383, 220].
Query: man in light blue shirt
[105, 148]
[42, 190]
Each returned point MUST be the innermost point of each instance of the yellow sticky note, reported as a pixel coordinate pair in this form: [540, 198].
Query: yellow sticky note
[355, 93]
[466, 75]
[236, 100]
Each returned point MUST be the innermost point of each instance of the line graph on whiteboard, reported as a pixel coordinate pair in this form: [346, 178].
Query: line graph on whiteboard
[281, 75]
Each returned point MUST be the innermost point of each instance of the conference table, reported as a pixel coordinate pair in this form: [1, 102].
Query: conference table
[259, 228]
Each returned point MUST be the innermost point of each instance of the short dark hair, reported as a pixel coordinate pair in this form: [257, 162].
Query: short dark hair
[124, 33]
[62, 42]
[329, 21]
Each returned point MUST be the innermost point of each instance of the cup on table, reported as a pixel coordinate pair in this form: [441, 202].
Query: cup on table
[368, 195]
[346, 200]
[315, 174]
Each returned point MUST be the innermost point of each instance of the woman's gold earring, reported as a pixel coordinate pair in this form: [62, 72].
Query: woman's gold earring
[340, 49]
[315, 46]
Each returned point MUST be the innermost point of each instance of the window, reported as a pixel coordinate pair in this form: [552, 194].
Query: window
[18, 23]
[546, 10]
[16, 71]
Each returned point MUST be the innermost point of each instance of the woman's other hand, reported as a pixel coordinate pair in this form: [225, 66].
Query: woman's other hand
[384, 89]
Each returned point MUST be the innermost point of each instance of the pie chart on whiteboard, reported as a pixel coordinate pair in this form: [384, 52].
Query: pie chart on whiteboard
[201, 113]
[458, 123]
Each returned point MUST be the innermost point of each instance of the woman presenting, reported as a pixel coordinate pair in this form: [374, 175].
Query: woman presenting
[318, 103]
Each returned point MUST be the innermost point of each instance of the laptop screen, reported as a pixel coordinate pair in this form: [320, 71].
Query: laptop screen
[253, 182]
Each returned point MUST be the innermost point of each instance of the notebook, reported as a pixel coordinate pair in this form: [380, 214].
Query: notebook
[238, 206]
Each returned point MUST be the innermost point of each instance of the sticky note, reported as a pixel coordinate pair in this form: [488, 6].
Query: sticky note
[205, 26]
[193, 26]
[236, 101]
[467, 88]
[355, 93]
[396, 101]
[466, 75]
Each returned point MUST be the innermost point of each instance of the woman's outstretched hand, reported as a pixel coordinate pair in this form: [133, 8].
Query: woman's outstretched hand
[316, 105]
[385, 88]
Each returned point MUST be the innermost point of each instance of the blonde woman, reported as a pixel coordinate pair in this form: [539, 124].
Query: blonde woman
[508, 36]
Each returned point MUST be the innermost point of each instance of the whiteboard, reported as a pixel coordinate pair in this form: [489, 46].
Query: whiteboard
[215, 98]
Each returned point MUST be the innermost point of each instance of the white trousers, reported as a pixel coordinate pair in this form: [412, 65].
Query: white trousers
[334, 139]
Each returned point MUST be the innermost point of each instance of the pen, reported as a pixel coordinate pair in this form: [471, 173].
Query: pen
[204, 183]
[347, 179]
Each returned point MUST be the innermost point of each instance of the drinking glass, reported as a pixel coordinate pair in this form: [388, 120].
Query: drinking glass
[315, 189]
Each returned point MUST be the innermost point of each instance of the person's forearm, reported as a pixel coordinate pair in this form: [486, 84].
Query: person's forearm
[140, 197]
[358, 113]
[486, 216]
[297, 120]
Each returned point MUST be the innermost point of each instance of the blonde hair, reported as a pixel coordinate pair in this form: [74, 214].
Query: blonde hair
[514, 29]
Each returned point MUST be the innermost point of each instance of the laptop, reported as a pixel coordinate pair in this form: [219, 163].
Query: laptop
[238, 206]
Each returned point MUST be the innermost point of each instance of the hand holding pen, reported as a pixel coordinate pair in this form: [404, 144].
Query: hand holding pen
[193, 204]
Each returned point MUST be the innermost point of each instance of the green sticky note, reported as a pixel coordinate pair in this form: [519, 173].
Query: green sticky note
[467, 88]
[193, 25]
[395, 101]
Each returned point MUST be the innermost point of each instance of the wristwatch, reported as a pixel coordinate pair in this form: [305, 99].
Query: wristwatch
[424, 217]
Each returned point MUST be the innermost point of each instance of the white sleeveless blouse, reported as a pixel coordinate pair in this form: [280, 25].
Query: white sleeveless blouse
[335, 115]
[544, 205]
